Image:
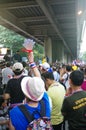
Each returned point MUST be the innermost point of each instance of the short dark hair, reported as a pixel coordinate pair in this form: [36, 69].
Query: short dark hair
[17, 72]
[8, 64]
[77, 77]
[48, 75]
[24, 64]
[68, 68]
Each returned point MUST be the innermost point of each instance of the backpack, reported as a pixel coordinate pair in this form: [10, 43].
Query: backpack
[43, 123]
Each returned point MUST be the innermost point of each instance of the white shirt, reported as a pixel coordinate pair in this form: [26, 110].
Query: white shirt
[7, 73]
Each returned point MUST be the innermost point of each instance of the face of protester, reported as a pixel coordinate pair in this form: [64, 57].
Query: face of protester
[62, 71]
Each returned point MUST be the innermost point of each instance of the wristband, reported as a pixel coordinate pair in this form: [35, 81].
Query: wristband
[25, 50]
[32, 65]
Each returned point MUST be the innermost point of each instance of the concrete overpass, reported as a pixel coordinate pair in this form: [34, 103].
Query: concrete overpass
[52, 23]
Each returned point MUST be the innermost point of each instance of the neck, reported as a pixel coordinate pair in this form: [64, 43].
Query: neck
[74, 89]
[17, 76]
[52, 81]
[32, 103]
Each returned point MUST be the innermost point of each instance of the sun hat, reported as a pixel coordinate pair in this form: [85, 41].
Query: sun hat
[33, 88]
[17, 66]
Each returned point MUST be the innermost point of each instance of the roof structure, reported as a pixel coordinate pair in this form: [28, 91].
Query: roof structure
[39, 19]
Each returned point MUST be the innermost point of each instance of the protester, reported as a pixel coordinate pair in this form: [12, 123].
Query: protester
[34, 90]
[7, 56]
[56, 92]
[64, 78]
[13, 90]
[56, 74]
[25, 71]
[7, 73]
[17, 57]
[74, 105]
[45, 67]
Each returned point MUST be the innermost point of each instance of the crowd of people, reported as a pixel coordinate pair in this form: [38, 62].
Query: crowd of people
[61, 88]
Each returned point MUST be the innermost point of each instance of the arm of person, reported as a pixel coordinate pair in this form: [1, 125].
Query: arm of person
[6, 97]
[11, 127]
[4, 122]
[34, 69]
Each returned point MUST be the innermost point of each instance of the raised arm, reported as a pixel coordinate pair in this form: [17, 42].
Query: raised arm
[33, 64]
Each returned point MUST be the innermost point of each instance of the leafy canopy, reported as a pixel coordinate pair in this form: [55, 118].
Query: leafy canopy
[14, 41]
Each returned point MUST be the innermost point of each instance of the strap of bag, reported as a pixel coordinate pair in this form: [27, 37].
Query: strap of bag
[29, 116]
[67, 77]
[25, 112]
[43, 108]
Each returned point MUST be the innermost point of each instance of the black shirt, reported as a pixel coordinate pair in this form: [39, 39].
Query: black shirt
[74, 108]
[14, 89]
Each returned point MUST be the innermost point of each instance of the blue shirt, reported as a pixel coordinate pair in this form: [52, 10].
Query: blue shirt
[18, 119]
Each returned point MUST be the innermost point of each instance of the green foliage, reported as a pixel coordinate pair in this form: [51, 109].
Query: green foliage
[38, 51]
[83, 56]
[14, 41]
[10, 39]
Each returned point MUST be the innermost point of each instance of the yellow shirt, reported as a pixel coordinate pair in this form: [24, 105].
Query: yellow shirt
[56, 92]
[43, 60]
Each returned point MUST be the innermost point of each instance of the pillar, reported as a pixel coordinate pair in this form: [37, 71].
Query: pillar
[48, 48]
[58, 51]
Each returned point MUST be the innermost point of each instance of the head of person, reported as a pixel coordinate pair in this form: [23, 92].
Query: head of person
[48, 78]
[63, 69]
[68, 68]
[8, 64]
[54, 68]
[76, 78]
[33, 88]
[46, 68]
[24, 64]
[17, 68]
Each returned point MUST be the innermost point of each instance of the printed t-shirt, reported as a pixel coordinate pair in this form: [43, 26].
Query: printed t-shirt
[74, 108]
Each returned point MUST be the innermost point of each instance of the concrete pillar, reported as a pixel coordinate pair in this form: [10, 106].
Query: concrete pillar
[65, 57]
[69, 58]
[58, 51]
[55, 50]
[48, 48]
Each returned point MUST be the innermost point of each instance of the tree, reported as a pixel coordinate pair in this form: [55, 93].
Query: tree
[83, 56]
[14, 41]
[10, 39]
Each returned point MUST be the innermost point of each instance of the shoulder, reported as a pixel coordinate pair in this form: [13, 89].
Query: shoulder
[11, 80]
[46, 97]
[14, 112]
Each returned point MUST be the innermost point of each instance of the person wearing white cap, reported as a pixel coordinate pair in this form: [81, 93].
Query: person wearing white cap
[34, 91]
[46, 67]
[13, 90]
